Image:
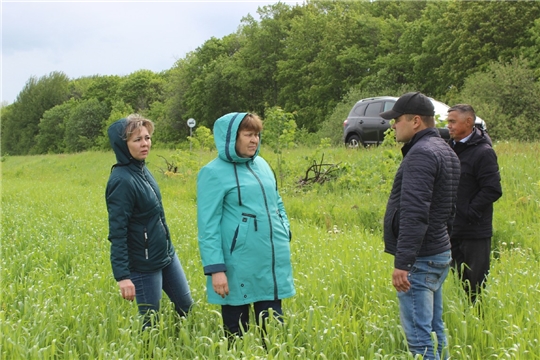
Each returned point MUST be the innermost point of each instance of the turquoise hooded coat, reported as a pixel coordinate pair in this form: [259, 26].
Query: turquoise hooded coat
[243, 228]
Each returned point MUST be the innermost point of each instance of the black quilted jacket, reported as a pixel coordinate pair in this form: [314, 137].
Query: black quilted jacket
[422, 203]
[479, 187]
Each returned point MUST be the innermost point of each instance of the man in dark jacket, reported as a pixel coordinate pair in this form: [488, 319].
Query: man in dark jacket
[479, 188]
[419, 210]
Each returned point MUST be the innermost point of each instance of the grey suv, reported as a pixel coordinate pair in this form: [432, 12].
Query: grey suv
[365, 127]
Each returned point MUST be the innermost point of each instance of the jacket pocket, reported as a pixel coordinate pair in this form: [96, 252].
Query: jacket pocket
[287, 231]
[240, 234]
[254, 217]
[235, 237]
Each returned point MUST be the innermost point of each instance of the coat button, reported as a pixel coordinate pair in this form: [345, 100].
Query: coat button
[245, 296]
[242, 285]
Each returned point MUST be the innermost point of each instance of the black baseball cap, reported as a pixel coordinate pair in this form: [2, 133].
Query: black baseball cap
[414, 103]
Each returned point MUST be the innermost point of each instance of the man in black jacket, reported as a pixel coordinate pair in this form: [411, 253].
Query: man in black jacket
[479, 188]
[419, 210]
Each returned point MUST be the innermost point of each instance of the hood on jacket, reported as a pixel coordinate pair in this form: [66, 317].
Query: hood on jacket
[225, 130]
[478, 136]
[116, 134]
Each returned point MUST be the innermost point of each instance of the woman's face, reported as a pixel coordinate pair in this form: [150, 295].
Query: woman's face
[247, 142]
[139, 144]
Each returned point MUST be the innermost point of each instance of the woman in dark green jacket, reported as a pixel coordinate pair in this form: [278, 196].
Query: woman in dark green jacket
[143, 258]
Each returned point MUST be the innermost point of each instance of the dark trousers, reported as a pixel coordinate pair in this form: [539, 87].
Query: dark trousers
[236, 318]
[471, 260]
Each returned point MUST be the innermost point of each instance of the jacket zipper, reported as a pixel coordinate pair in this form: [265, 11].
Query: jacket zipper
[145, 244]
[282, 221]
[274, 277]
[157, 198]
[254, 217]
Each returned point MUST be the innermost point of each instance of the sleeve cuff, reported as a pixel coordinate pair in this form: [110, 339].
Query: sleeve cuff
[210, 269]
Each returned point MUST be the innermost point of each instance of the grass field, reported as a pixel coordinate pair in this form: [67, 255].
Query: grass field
[60, 301]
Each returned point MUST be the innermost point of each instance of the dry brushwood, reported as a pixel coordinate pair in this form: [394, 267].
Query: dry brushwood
[171, 167]
[319, 173]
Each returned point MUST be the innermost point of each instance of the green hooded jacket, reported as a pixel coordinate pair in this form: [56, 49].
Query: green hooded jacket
[139, 236]
[243, 229]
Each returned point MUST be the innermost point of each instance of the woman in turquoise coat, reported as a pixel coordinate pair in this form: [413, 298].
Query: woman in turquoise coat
[244, 235]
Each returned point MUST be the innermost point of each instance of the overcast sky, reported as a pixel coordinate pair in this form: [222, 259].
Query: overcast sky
[84, 38]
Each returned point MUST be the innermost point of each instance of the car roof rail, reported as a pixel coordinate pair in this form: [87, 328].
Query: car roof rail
[378, 98]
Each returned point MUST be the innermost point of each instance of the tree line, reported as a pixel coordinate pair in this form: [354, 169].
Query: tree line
[311, 61]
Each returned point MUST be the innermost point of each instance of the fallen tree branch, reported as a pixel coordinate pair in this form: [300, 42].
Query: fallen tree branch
[319, 173]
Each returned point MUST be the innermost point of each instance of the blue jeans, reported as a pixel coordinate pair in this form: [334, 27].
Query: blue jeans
[149, 286]
[421, 307]
[236, 318]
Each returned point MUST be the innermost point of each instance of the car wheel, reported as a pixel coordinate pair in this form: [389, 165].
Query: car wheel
[354, 141]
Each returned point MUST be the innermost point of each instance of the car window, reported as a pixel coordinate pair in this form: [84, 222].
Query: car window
[388, 105]
[359, 109]
[374, 109]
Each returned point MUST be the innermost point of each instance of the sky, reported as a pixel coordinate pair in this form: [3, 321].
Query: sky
[85, 38]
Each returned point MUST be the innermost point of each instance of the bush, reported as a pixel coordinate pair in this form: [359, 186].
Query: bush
[202, 139]
[507, 97]
[85, 125]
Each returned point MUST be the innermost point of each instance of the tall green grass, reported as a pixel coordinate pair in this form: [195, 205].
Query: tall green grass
[60, 301]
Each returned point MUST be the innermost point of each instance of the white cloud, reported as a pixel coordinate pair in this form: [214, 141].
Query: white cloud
[108, 38]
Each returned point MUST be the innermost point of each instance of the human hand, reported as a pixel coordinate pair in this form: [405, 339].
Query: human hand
[400, 280]
[127, 289]
[220, 284]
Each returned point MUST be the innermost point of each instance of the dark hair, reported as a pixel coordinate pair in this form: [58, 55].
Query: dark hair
[134, 123]
[464, 108]
[251, 122]
[428, 120]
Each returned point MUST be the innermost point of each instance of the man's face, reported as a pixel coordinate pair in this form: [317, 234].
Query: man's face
[403, 126]
[459, 125]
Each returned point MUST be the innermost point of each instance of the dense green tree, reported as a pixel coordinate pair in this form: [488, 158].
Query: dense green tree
[235, 73]
[50, 138]
[78, 88]
[404, 11]
[85, 125]
[5, 118]
[507, 97]
[178, 82]
[104, 89]
[168, 131]
[209, 78]
[332, 47]
[471, 34]
[119, 110]
[314, 60]
[20, 126]
[296, 73]
[532, 50]
[140, 89]
[257, 60]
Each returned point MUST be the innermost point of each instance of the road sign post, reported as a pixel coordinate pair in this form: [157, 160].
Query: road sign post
[191, 123]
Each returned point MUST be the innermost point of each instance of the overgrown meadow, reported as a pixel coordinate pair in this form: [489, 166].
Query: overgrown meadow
[60, 301]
